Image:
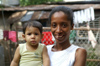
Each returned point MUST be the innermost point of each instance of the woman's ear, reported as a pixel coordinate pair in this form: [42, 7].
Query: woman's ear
[23, 35]
[72, 26]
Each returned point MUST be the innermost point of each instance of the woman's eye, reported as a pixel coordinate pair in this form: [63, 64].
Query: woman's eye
[53, 25]
[64, 25]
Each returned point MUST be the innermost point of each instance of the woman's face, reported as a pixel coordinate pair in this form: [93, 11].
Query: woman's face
[60, 27]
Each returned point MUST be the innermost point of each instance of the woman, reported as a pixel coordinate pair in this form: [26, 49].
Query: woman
[63, 53]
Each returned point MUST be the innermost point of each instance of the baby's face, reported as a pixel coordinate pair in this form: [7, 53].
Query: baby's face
[32, 35]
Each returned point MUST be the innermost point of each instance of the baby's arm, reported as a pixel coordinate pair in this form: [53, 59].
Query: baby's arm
[46, 61]
[16, 59]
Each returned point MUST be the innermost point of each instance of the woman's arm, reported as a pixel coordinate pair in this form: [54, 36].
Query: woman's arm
[16, 59]
[46, 61]
[80, 57]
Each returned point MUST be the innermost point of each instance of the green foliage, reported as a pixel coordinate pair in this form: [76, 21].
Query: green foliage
[92, 55]
[35, 2]
[2, 6]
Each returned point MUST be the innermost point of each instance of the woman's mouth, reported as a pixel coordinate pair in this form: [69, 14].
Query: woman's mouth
[59, 37]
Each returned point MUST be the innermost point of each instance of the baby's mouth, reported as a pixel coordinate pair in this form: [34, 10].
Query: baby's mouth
[33, 41]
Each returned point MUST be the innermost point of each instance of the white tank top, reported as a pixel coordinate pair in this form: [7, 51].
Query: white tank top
[62, 58]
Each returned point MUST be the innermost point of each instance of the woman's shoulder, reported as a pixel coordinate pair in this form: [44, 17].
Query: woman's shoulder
[81, 55]
[49, 46]
[76, 46]
[78, 49]
[81, 50]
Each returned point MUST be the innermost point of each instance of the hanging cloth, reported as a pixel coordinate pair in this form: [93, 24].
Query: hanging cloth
[1, 34]
[91, 37]
[92, 13]
[81, 16]
[88, 14]
[5, 35]
[12, 36]
[75, 18]
[47, 38]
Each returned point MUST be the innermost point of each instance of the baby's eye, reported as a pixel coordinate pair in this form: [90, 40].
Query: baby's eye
[29, 34]
[36, 34]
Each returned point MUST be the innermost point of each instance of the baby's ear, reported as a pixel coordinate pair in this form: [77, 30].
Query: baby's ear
[23, 35]
[42, 35]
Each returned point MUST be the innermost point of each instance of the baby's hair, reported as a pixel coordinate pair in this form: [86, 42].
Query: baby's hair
[64, 9]
[33, 24]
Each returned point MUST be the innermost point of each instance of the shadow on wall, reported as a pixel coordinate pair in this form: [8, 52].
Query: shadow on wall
[2, 56]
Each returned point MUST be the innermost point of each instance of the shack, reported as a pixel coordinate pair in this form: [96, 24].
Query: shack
[19, 15]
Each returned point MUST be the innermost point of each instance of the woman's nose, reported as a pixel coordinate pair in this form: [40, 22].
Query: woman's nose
[58, 29]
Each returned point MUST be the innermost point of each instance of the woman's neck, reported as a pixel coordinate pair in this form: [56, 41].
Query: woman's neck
[60, 47]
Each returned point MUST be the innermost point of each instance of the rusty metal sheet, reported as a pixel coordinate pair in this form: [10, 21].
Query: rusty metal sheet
[36, 15]
[27, 16]
[40, 15]
[16, 16]
[45, 15]
[49, 7]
